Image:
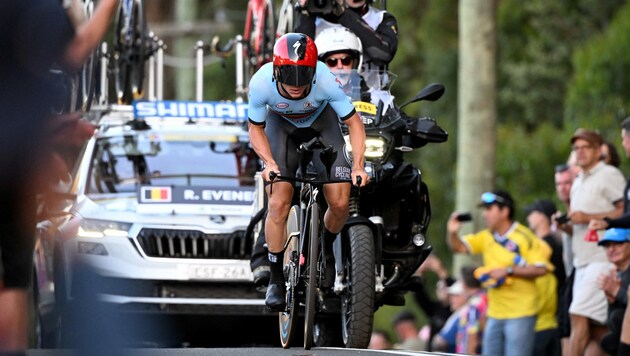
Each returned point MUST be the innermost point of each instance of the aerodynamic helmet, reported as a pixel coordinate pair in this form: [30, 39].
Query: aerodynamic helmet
[339, 40]
[294, 59]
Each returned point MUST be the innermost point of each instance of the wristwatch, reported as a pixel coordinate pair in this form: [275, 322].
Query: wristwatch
[510, 270]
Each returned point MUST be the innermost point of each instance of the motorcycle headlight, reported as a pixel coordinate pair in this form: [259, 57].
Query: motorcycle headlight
[374, 147]
[101, 228]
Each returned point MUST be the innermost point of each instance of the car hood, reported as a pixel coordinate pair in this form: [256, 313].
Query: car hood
[127, 208]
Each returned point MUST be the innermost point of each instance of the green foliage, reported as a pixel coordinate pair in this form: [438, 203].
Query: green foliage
[599, 89]
[536, 41]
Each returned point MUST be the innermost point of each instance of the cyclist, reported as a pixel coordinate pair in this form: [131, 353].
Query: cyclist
[377, 29]
[341, 50]
[292, 100]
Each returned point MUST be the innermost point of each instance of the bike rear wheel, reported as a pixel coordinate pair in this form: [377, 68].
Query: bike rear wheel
[259, 38]
[131, 52]
[357, 300]
[286, 18]
[311, 276]
[289, 317]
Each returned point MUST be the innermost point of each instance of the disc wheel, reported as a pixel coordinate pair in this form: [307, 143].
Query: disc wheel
[289, 317]
[357, 300]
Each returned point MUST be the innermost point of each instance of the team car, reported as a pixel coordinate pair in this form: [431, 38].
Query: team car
[159, 205]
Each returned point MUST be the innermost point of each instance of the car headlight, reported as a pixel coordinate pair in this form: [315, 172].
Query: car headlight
[102, 228]
[374, 146]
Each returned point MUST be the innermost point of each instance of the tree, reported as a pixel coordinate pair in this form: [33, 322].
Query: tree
[477, 108]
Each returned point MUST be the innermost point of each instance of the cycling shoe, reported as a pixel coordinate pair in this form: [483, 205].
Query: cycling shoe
[275, 297]
[328, 277]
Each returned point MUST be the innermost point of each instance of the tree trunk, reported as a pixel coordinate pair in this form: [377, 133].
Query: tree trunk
[477, 108]
[185, 12]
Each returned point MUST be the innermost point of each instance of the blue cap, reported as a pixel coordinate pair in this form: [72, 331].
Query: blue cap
[615, 235]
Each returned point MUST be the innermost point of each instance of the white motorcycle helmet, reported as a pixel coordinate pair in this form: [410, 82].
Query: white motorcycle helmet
[339, 39]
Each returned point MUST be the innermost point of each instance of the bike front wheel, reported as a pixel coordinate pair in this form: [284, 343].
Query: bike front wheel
[289, 317]
[357, 300]
[311, 280]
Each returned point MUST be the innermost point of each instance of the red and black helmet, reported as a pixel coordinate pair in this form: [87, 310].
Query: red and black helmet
[294, 59]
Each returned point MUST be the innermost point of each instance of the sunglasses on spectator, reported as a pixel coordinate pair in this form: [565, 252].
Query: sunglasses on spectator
[332, 62]
[491, 198]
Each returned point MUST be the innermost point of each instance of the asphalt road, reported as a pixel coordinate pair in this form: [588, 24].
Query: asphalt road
[236, 352]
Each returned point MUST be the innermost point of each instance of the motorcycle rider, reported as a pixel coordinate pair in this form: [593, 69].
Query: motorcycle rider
[342, 52]
[292, 100]
[377, 29]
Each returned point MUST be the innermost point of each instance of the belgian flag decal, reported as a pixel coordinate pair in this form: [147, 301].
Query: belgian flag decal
[155, 194]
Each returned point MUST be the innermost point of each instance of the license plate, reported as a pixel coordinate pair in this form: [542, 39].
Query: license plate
[224, 273]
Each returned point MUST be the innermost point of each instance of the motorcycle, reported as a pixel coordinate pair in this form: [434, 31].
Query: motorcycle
[396, 203]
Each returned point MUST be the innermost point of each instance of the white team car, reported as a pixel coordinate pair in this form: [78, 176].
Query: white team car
[159, 205]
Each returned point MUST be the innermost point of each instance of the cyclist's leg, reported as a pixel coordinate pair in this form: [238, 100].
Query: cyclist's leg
[278, 206]
[338, 194]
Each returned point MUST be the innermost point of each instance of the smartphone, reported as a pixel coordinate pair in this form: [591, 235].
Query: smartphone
[562, 219]
[464, 217]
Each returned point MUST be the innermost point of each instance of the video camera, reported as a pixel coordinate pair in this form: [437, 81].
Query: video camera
[316, 7]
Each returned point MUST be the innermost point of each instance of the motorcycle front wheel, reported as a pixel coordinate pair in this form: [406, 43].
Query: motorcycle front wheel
[357, 299]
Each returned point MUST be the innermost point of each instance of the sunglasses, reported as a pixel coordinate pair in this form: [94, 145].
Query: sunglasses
[490, 198]
[332, 62]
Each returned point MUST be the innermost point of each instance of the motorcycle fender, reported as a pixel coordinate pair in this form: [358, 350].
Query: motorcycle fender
[360, 220]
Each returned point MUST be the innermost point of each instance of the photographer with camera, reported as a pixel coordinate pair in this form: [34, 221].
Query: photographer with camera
[377, 29]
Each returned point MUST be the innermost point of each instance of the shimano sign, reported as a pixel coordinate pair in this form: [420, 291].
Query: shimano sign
[225, 110]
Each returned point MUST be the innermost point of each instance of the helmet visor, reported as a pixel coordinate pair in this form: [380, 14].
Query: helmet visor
[295, 75]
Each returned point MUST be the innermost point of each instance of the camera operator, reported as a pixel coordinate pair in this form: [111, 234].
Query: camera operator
[377, 29]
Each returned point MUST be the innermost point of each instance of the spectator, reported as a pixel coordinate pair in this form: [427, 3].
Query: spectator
[33, 34]
[564, 177]
[624, 342]
[377, 29]
[539, 216]
[379, 340]
[446, 339]
[624, 220]
[548, 286]
[437, 310]
[596, 193]
[615, 283]
[610, 155]
[472, 320]
[406, 327]
[512, 307]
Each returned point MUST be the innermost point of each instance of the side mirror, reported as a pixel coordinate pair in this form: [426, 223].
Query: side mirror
[431, 92]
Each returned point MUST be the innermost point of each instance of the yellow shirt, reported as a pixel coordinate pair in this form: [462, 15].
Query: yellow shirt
[547, 296]
[518, 298]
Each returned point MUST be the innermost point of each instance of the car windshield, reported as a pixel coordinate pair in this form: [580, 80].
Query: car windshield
[123, 163]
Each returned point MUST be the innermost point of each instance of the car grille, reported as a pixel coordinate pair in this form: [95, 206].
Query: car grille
[173, 243]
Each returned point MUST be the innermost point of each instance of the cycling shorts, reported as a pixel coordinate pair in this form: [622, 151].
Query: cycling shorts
[285, 138]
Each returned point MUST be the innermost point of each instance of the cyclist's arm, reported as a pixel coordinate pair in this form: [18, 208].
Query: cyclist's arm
[357, 141]
[89, 35]
[259, 141]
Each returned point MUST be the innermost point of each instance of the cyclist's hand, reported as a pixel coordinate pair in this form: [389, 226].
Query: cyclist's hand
[268, 169]
[360, 172]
